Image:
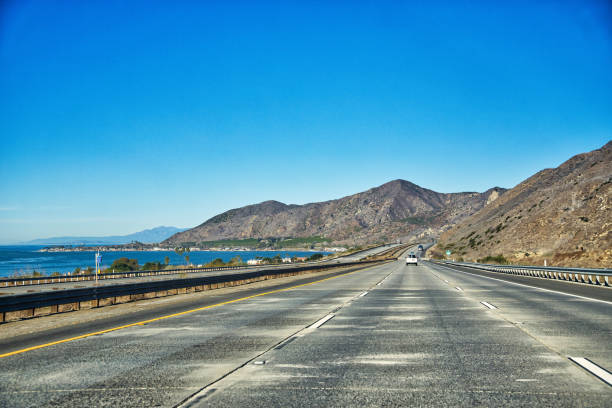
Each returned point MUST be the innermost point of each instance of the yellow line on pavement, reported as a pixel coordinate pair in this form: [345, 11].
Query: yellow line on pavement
[82, 336]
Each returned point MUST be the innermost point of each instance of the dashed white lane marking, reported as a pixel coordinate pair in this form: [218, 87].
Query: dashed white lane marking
[525, 379]
[321, 321]
[594, 369]
[487, 304]
[284, 343]
[458, 288]
[363, 294]
[384, 279]
[204, 392]
[445, 281]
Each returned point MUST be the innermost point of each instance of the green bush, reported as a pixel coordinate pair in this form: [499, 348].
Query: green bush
[152, 266]
[124, 265]
[315, 257]
[499, 259]
[235, 261]
[216, 263]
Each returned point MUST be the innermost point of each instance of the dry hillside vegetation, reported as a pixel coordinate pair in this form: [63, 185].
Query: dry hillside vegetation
[562, 215]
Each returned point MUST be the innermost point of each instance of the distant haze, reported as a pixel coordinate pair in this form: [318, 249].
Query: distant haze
[148, 236]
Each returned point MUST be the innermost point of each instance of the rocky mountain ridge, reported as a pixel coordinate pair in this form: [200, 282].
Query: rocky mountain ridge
[397, 209]
[147, 236]
[561, 215]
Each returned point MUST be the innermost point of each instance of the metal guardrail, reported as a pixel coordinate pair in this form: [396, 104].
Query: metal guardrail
[37, 300]
[392, 252]
[41, 280]
[357, 253]
[601, 277]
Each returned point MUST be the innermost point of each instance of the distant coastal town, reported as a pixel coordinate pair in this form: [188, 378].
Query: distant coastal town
[154, 248]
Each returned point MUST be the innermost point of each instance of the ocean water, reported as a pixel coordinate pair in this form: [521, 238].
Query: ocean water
[25, 259]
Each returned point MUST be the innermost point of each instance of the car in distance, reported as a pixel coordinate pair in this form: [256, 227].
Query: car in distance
[412, 260]
[420, 248]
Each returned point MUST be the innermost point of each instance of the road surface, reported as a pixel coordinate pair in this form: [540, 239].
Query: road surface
[389, 335]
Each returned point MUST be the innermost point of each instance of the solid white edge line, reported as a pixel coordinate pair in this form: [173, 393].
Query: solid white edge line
[487, 304]
[321, 321]
[594, 369]
[527, 286]
[363, 294]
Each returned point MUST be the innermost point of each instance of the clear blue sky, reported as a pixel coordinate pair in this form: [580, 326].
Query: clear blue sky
[120, 116]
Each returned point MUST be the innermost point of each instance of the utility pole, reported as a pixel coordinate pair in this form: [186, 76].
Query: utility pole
[98, 261]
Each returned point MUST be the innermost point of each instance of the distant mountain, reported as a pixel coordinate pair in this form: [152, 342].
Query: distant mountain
[148, 236]
[562, 215]
[396, 209]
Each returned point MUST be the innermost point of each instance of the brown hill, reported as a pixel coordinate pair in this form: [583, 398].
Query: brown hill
[562, 215]
[395, 209]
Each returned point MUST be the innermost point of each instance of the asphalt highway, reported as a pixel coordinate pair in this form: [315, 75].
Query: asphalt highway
[389, 335]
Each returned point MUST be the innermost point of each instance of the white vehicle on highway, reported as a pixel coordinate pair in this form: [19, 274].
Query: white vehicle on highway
[412, 260]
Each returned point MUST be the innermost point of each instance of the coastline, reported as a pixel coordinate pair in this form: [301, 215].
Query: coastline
[116, 249]
[28, 260]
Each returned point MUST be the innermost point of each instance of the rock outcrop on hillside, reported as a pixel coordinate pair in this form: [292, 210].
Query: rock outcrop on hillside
[562, 215]
[395, 209]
